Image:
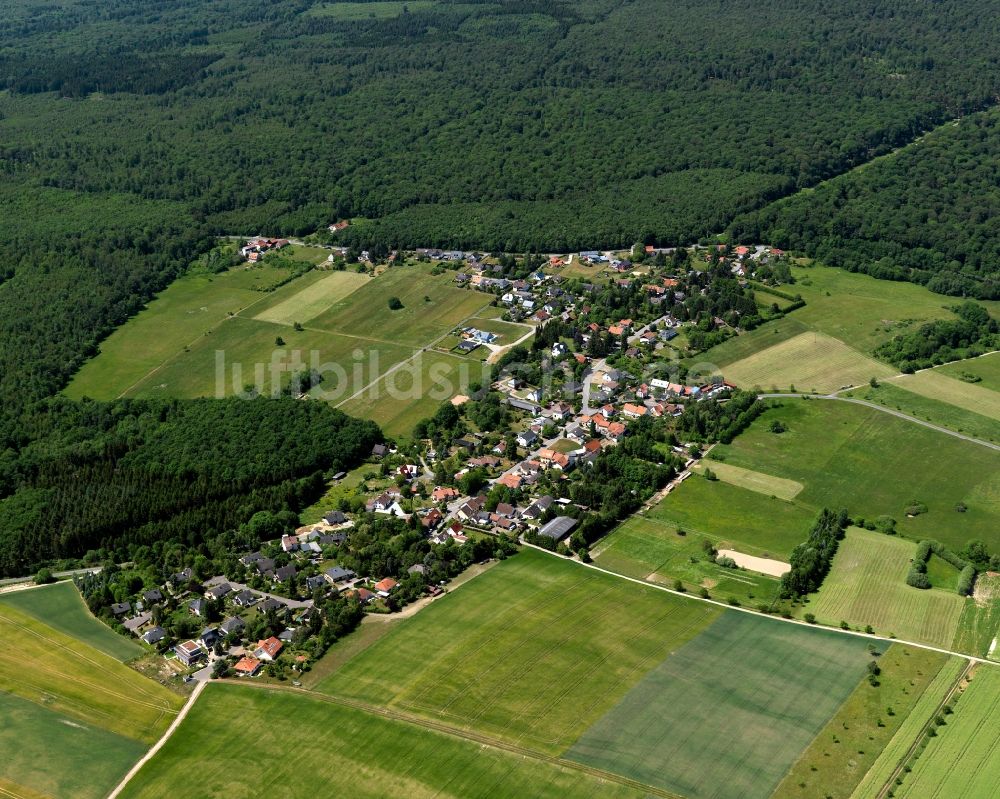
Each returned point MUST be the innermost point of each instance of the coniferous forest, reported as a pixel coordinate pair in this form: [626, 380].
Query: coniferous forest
[133, 132]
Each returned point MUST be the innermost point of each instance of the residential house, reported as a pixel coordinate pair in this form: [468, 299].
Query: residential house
[384, 586]
[431, 519]
[209, 637]
[121, 608]
[265, 567]
[183, 577]
[232, 626]
[268, 649]
[538, 507]
[248, 666]
[153, 635]
[270, 604]
[334, 518]
[444, 493]
[219, 592]
[135, 624]
[189, 652]
[469, 510]
[526, 438]
[285, 573]
[337, 574]
[245, 599]
[314, 582]
[197, 607]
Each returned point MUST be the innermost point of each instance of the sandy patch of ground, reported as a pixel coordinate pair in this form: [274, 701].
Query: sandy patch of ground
[775, 568]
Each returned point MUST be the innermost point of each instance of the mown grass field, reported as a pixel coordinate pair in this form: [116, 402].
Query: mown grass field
[875, 464]
[766, 484]
[313, 299]
[920, 713]
[415, 391]
[854, 738]
[45, 753]
[184, 311]
[972, 397]
[986, 368]
[809, 362]
[432, 306]
[532, 651]
[65, 676]
[963, 761]
[237, 739]
[867, 585]
[726, 715]
[932, 410]
[247, 347]
[61, 607]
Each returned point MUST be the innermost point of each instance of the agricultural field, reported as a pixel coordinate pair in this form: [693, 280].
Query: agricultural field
[532, 651]
[186, 310]
[809, 362]
[726, 715]
[313, 299]
[979, 626]
[972, 397]
[943, 414]
[752, 481]
[986, 368]
[854, 738]
[867, 586]
[893, 755]
[60, 695]
[963, 760]
[61, 607]
[379, 9]
[414, 391]
[432, 307]
[233, 732]
[872, 463]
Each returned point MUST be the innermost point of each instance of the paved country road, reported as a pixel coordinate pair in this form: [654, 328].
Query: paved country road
[889, 411]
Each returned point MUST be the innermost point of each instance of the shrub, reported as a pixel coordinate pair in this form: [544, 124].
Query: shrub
[966, 580]
[395, 304]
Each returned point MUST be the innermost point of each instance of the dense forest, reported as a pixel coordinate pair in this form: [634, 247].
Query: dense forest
[928, 214]
[131, 132]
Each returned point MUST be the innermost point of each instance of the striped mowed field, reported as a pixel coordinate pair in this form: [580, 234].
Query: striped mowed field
[768, 484]
[867, 585]
[314, 299]
[967, 396]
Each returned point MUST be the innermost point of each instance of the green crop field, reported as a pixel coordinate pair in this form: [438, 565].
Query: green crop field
[873, 464]
[61, 607]
[867, 585]
[932, 410]
[233, 733]
[920, 713]
[49, 754]
[532, 651]
[726, 715]
[851, 742]
[754, 481]
[184, 311]
[415, 391]
[972, 397]
[963, 761]
[312, 300]
[979, 625]
[811, 362]
[649, 549]
[44, 665]
[986, 368]
[432, 306]
[246, 349]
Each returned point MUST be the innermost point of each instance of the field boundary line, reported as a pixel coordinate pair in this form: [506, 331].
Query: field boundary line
[883, 409]
[741, 609]
[911, 750]
[159, 744]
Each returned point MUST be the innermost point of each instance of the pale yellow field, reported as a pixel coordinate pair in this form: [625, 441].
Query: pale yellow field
[968, 396]
[809, 362]
[753, 481]
[313, 300]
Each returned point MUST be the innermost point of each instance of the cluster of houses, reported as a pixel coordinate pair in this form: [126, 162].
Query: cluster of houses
[254, 249]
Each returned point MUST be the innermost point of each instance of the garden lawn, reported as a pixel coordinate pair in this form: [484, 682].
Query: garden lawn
[432, 307]
[232, 733]
[867, 586]
[873, 464]
[61, 607]
[46, 753]
[963, 761]
[727, 715]
[849, 744]
[176, 318]
[532, 651]
[71, 678]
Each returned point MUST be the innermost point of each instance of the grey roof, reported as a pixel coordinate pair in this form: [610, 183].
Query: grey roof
[245, 598]
[153, 595]
[120, 607]
[232, 625]
[265, 565]
[523, 405]
[154, 635]
[336, 574]
[219, 591]
[285, 572]
[269, 604]
[335, 517]
[558, 528]
[138, 622]
[417, 568]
